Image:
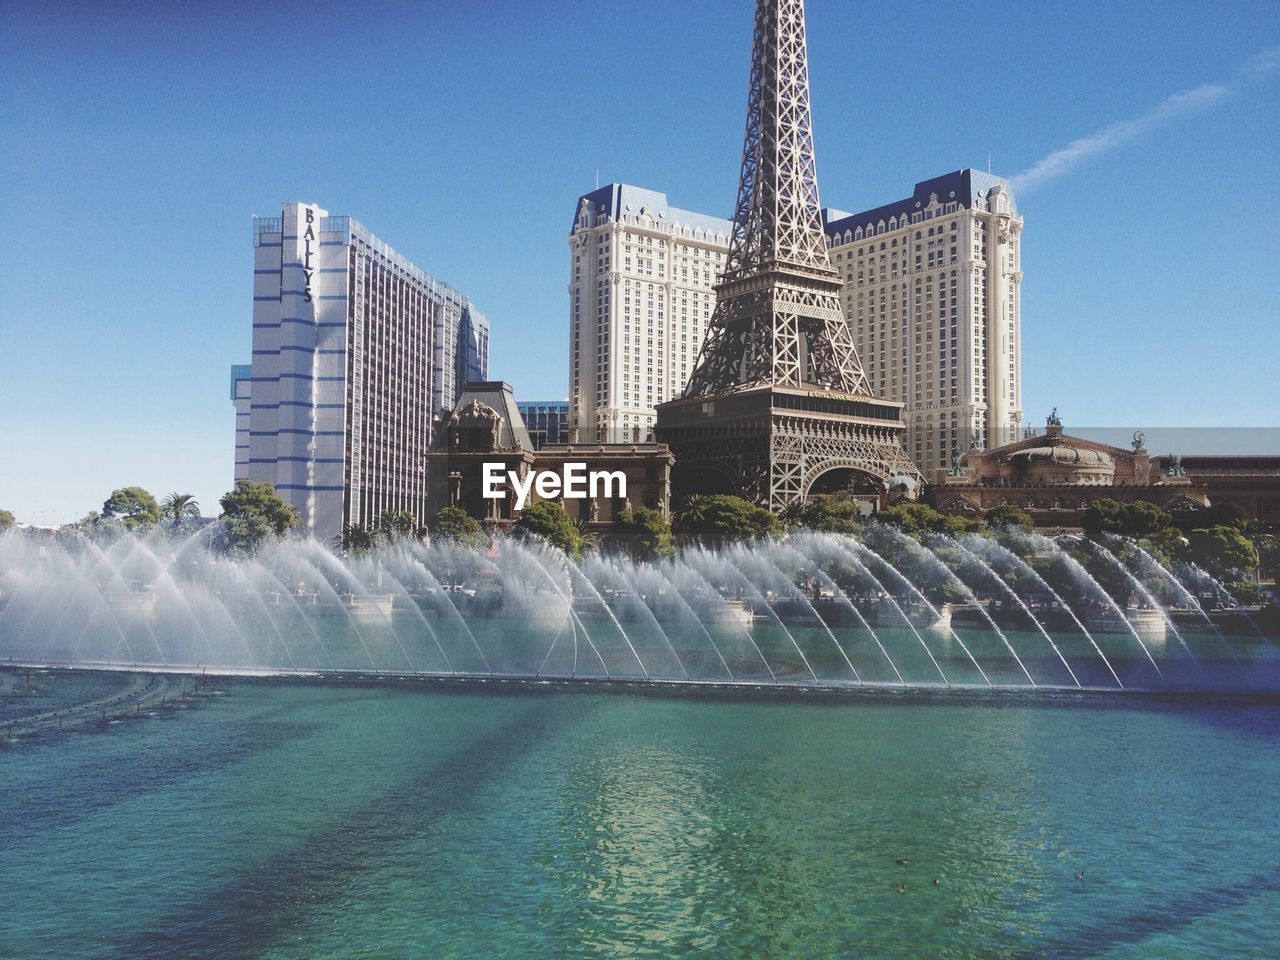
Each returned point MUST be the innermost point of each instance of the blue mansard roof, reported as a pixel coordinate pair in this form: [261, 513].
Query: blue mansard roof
[622, 199]
[965, 187]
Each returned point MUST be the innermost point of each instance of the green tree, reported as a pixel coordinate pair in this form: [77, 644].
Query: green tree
[547, 520]
[253, 512]
[827, 512]
[918, 518]
[1146, 519]
[455, 525]
[646, 532]
[357, 538]
[1105, 516]
[6, 520]
[180, 506]
[688, 511]
[792, 515]
[86, 523]
[724, 518]
[133, 506]
[1168, 546]
[912, 518]
[1263, 538]
[396, 524]
[261, 500]
[1244, 589]
[591, 538]
[1223, 550]
[1006, 515]
[1136, 518]
[244, 533]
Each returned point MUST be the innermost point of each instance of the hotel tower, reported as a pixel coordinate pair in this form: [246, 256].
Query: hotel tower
[356, 352]
[641, 292]
[930, 290]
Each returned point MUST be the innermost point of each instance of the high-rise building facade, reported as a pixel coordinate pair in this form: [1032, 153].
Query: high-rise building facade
[932, 295]
[641, 276]
[242, 398]
[546, 420]
[355, 352]
[936, 329]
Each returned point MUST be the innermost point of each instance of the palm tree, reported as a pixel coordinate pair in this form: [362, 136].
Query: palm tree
[1263, 538]
[356, 538]
[794, 513]
[1262, 535]
[180, 506]
[397, 523]
[591, 540]
[690, 511]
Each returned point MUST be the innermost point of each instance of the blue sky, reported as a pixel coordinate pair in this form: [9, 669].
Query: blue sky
[136, 140]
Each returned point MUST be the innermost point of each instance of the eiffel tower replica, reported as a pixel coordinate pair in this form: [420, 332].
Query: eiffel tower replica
[778, 397]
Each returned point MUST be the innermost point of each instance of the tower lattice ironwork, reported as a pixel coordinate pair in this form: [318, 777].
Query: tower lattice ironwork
[778, 396]
[777, 317]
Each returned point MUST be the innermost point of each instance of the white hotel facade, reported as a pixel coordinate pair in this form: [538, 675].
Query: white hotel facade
[931, 294]
[356, 352]
[641, 274]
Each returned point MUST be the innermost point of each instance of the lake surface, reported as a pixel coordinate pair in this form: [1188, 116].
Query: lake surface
[294, 819]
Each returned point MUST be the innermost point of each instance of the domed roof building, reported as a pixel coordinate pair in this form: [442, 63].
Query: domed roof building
[1055, 477]
[1058, 462]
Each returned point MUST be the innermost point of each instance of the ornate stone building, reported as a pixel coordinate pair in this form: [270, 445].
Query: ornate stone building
[486, 428]
[1240, 486]
[1055, 477]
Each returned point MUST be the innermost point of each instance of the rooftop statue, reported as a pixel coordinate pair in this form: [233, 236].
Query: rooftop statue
[1053, 420]
[1139, 440]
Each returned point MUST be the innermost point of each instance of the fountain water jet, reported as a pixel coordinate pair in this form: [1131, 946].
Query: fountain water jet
[818, 610]
[838, 591]
[687, 570]
[1025, 609]
[1027, 568]
[1146, 594]
[613, 570]
[977, 604]
[700, 556]
[849, 556]
[863, 550]
[666, 588]
[566, 595]
[1150, 563]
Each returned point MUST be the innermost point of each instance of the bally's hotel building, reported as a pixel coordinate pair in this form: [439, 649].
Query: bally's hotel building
[356, 353]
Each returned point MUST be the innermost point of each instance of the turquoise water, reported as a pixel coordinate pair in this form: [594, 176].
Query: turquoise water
[300, 820]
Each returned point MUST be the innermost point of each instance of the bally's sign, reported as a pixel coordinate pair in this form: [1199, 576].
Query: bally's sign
[308, 242]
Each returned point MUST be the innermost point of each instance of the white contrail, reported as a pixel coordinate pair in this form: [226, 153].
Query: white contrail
[1063, 161]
